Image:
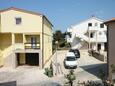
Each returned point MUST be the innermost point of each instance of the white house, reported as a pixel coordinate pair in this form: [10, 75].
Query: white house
[89, 34]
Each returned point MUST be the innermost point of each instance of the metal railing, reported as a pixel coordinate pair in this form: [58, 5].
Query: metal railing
[32, 45]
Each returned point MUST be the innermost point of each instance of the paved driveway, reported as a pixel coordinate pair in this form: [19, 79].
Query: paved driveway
[25, 76]
[88, 67]
[33, 76]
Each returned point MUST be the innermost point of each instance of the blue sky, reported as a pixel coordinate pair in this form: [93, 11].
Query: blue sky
[64, 13]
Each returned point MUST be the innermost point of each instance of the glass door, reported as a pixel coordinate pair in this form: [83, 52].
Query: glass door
[33, 42]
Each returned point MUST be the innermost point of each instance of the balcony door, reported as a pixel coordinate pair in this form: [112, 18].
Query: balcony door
[33, 42]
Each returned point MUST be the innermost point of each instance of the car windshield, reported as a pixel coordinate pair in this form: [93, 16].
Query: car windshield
[76, 52]
[70, 58]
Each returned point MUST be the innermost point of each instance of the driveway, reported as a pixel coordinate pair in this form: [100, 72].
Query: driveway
[25, 76]
[88, 67]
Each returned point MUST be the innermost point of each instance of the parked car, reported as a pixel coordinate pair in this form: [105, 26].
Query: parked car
[76, 52]
[70, 60]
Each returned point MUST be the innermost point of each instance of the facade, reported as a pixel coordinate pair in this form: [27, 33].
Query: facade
[25, 38]
[90, 34]
[111, 47]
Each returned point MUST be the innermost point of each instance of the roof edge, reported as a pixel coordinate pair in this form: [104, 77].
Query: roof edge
[22, 10]
[88, 20]
[108, 21]
[26, 11]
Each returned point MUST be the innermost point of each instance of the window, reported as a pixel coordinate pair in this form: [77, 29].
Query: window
[91, 35]
[18, 21]
[70, 58]
[96, 24]
[33, 42]
[101, 25]
[100, 33]
[89, 24]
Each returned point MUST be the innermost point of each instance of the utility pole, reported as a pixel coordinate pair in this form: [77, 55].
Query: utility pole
[89, 38]
[96, 42]
[56, 58]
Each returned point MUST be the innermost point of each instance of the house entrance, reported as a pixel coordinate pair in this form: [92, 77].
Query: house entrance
[105, 45]
[99, 47]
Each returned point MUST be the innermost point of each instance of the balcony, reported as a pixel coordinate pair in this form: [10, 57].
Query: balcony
[98, 40]
[97, 29]
[93, 28]
[32, 45]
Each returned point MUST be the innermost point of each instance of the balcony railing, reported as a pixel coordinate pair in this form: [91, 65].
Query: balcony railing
[93, 28]
[98, 40]
[32, 45]
[97, 28]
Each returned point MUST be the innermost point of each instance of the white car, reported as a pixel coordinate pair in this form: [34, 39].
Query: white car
[70, 60]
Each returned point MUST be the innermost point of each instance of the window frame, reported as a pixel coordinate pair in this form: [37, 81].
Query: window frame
[96, 24]
[33, 42]
[89, 24]
[101, 25]
[18, 20]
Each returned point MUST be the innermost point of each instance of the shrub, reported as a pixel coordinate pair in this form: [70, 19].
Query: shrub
[113, 68]
[62, 44]
[101, 74]
[48, 72]
[70, 77]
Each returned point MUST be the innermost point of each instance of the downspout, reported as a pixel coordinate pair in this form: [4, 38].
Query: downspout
[42, 41]
[108, 69]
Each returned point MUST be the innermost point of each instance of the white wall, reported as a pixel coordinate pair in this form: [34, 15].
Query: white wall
[82, 28]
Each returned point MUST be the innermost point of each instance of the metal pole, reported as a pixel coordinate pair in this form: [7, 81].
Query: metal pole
[96, 40]
[56, 58]
[89, 38]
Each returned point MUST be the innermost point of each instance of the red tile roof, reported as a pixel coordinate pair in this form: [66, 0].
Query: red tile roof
[111, 20]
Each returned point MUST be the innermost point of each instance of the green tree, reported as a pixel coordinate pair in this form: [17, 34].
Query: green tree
[60, 37]
[101, 74]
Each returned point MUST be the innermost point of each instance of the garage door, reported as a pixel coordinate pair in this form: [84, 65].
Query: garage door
[32, 59]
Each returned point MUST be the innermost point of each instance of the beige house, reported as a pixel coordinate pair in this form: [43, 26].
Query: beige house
[25, 38]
